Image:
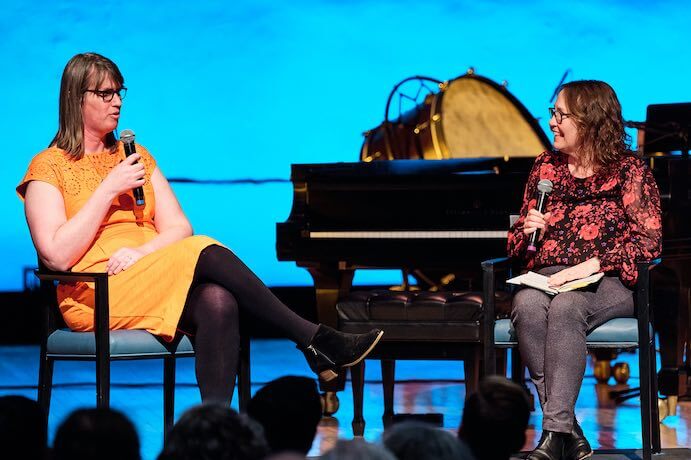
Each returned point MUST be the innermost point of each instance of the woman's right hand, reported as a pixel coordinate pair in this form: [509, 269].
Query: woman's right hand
[536, 220]
[125, 176]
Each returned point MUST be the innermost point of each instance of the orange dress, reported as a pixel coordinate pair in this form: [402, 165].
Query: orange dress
[151, 293]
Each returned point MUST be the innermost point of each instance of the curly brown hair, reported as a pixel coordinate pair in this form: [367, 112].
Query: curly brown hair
[596, 110]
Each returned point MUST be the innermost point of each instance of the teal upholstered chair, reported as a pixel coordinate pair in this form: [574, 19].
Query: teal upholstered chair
[618, 333]
[103, 346]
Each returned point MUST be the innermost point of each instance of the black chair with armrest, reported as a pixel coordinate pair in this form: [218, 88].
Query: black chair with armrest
[103, 345]
[618, 333]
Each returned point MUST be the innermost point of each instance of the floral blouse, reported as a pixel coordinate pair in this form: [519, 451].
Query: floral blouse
[613, 215]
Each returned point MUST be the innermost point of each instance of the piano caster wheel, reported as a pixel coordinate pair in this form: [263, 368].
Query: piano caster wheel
[621, 372]
[667, 407]
[330, 403]
[602, 370]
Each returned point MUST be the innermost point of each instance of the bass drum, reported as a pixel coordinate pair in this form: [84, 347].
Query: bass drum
[470, 117]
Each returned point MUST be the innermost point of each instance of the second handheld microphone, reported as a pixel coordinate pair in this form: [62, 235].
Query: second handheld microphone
[544, 188]
[127, 138]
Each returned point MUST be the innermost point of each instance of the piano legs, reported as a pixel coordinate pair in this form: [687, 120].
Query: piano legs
[330, 283]
[603, 369]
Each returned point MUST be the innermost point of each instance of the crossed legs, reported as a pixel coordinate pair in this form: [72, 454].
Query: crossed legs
[223, 286]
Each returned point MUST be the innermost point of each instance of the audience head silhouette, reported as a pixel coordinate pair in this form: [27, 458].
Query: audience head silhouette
[103, 434]
[358, 449]
[495, 419]
[214, 432]
[289, 410]
[22, 428]
[416, 440]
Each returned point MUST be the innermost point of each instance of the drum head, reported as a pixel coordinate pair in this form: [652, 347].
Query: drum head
[478, 118]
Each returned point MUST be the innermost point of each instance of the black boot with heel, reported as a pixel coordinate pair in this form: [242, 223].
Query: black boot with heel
[331, 350]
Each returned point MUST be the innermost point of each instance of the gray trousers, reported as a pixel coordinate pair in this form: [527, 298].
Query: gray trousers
[551, 334]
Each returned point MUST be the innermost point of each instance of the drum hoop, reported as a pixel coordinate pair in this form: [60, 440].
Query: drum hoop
[436, 131]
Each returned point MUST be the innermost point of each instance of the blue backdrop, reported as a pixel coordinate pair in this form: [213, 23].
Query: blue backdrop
[242, 89]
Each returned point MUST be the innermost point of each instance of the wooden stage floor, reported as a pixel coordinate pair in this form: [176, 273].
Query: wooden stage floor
[425, 387]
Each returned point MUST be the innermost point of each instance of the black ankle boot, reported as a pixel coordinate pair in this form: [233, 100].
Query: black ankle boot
[576, 446]
[550, 447]
[330, 350]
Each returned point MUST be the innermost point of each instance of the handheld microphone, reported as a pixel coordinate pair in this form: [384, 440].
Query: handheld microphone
[544, 188]
[127, 138]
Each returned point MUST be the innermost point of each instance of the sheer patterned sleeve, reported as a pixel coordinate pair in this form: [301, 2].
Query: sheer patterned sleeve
[517, 240]
[641, 201]
[45, 168]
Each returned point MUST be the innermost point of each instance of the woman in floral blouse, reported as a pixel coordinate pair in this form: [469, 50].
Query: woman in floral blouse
[603, 215]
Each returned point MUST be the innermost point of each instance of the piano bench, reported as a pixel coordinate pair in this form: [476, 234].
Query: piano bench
[417, 325]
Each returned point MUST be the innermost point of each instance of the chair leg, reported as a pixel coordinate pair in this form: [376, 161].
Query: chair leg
[45, 383]
[168, 394]
[388, 373]
[357, 376]
[471, 369]
[244, 381]
[102, 381]
[502, 368]
[655, 410]
[517, 368]
[646, 400]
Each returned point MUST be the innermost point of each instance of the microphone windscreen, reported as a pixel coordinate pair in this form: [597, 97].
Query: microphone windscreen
[544, 186]
[127, 136]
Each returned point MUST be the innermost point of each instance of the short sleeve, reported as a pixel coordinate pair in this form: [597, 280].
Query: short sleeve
[44, 167]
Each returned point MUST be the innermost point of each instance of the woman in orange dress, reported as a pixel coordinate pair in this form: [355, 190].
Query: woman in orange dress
[83, 217]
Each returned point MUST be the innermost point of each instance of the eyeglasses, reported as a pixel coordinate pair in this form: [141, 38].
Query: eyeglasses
[107, 94]
[558, 114]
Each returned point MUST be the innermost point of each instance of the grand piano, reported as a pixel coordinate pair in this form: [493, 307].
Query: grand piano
[450, 214]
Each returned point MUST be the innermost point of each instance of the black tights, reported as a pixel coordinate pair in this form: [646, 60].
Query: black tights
[222, 287]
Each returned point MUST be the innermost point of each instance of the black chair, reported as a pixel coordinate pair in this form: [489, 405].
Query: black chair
[103, 346]
[618, 333]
